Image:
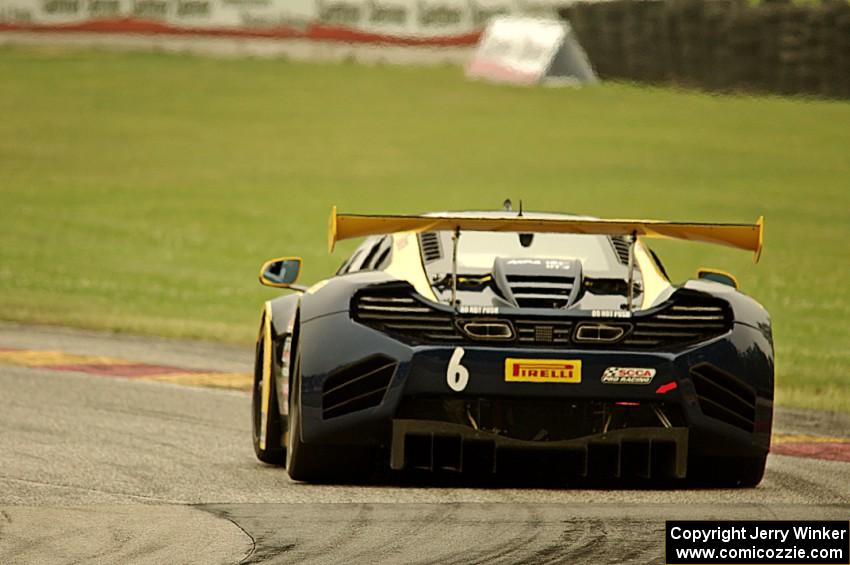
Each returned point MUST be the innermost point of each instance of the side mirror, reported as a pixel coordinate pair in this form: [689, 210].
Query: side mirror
[281, 272]
[715, 275]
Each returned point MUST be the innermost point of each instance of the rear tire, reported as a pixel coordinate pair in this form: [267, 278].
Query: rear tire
[274, 452]
[303, 462]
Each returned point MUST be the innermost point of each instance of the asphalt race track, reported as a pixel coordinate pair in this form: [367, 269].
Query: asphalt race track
[95, 469]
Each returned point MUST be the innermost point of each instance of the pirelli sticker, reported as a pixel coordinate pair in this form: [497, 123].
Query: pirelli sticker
[628, 376]
[543, 370]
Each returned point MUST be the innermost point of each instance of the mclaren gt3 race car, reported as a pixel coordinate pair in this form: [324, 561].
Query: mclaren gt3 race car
[502, 342]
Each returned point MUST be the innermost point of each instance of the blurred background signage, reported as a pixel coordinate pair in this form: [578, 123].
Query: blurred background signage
[446, 22]
[525, 50]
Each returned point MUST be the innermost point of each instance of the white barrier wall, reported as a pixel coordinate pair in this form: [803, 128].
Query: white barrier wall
[435, 22]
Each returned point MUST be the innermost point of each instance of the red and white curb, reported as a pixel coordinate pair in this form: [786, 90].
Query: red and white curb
[814, 447]
[121, 368]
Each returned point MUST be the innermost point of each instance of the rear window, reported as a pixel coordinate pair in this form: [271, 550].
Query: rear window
[478, 250]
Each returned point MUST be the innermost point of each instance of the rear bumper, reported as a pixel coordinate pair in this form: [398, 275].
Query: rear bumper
[335, 343]
[659, 453]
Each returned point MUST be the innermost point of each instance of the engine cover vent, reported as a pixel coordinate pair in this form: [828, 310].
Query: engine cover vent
[431, 248]
[538, 283]
[621, 246]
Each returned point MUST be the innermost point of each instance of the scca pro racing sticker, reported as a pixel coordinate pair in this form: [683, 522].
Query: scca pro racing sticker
[627, 376]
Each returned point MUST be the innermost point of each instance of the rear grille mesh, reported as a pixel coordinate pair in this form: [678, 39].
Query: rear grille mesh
[537, 331]
[357, 386]
[681, 324]
[724, 397]
[406, 316]
[691, 319]
[541, 291]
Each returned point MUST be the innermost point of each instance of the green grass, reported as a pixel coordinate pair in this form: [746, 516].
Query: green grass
[141, 192]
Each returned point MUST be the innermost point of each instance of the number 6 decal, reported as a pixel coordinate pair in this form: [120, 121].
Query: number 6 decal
[457, 376]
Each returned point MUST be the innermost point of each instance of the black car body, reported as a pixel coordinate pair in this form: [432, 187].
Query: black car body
[508, 349]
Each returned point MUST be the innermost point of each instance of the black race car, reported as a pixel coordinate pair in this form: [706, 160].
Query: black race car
[503, 342]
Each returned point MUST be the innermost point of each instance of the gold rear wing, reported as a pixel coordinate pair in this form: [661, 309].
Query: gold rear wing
[749, 237]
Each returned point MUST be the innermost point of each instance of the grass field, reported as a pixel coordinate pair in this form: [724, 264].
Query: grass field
[140, 192]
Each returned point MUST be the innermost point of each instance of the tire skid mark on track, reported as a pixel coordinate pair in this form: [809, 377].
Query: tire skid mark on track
[590, 542]
[550, 554]
[506, 552]
[399, 542]
[597, 541]
[261, 551]
[445, 529]
[642, 548]
[349, 533]
[464, 534]
[253, 548]
[473, 553]
[554, 552]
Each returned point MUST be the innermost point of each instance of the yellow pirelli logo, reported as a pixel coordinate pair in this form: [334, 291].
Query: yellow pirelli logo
[543, 370]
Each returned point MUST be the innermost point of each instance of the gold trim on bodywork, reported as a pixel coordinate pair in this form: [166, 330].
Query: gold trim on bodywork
[749, 237]
[654, 281]
[332, 229]
[267, 373]
[317, 286]
[406, 264]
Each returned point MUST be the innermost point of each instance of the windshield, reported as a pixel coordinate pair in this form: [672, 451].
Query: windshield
[478, 250]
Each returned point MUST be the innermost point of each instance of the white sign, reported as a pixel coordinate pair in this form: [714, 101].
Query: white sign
[525, 50]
